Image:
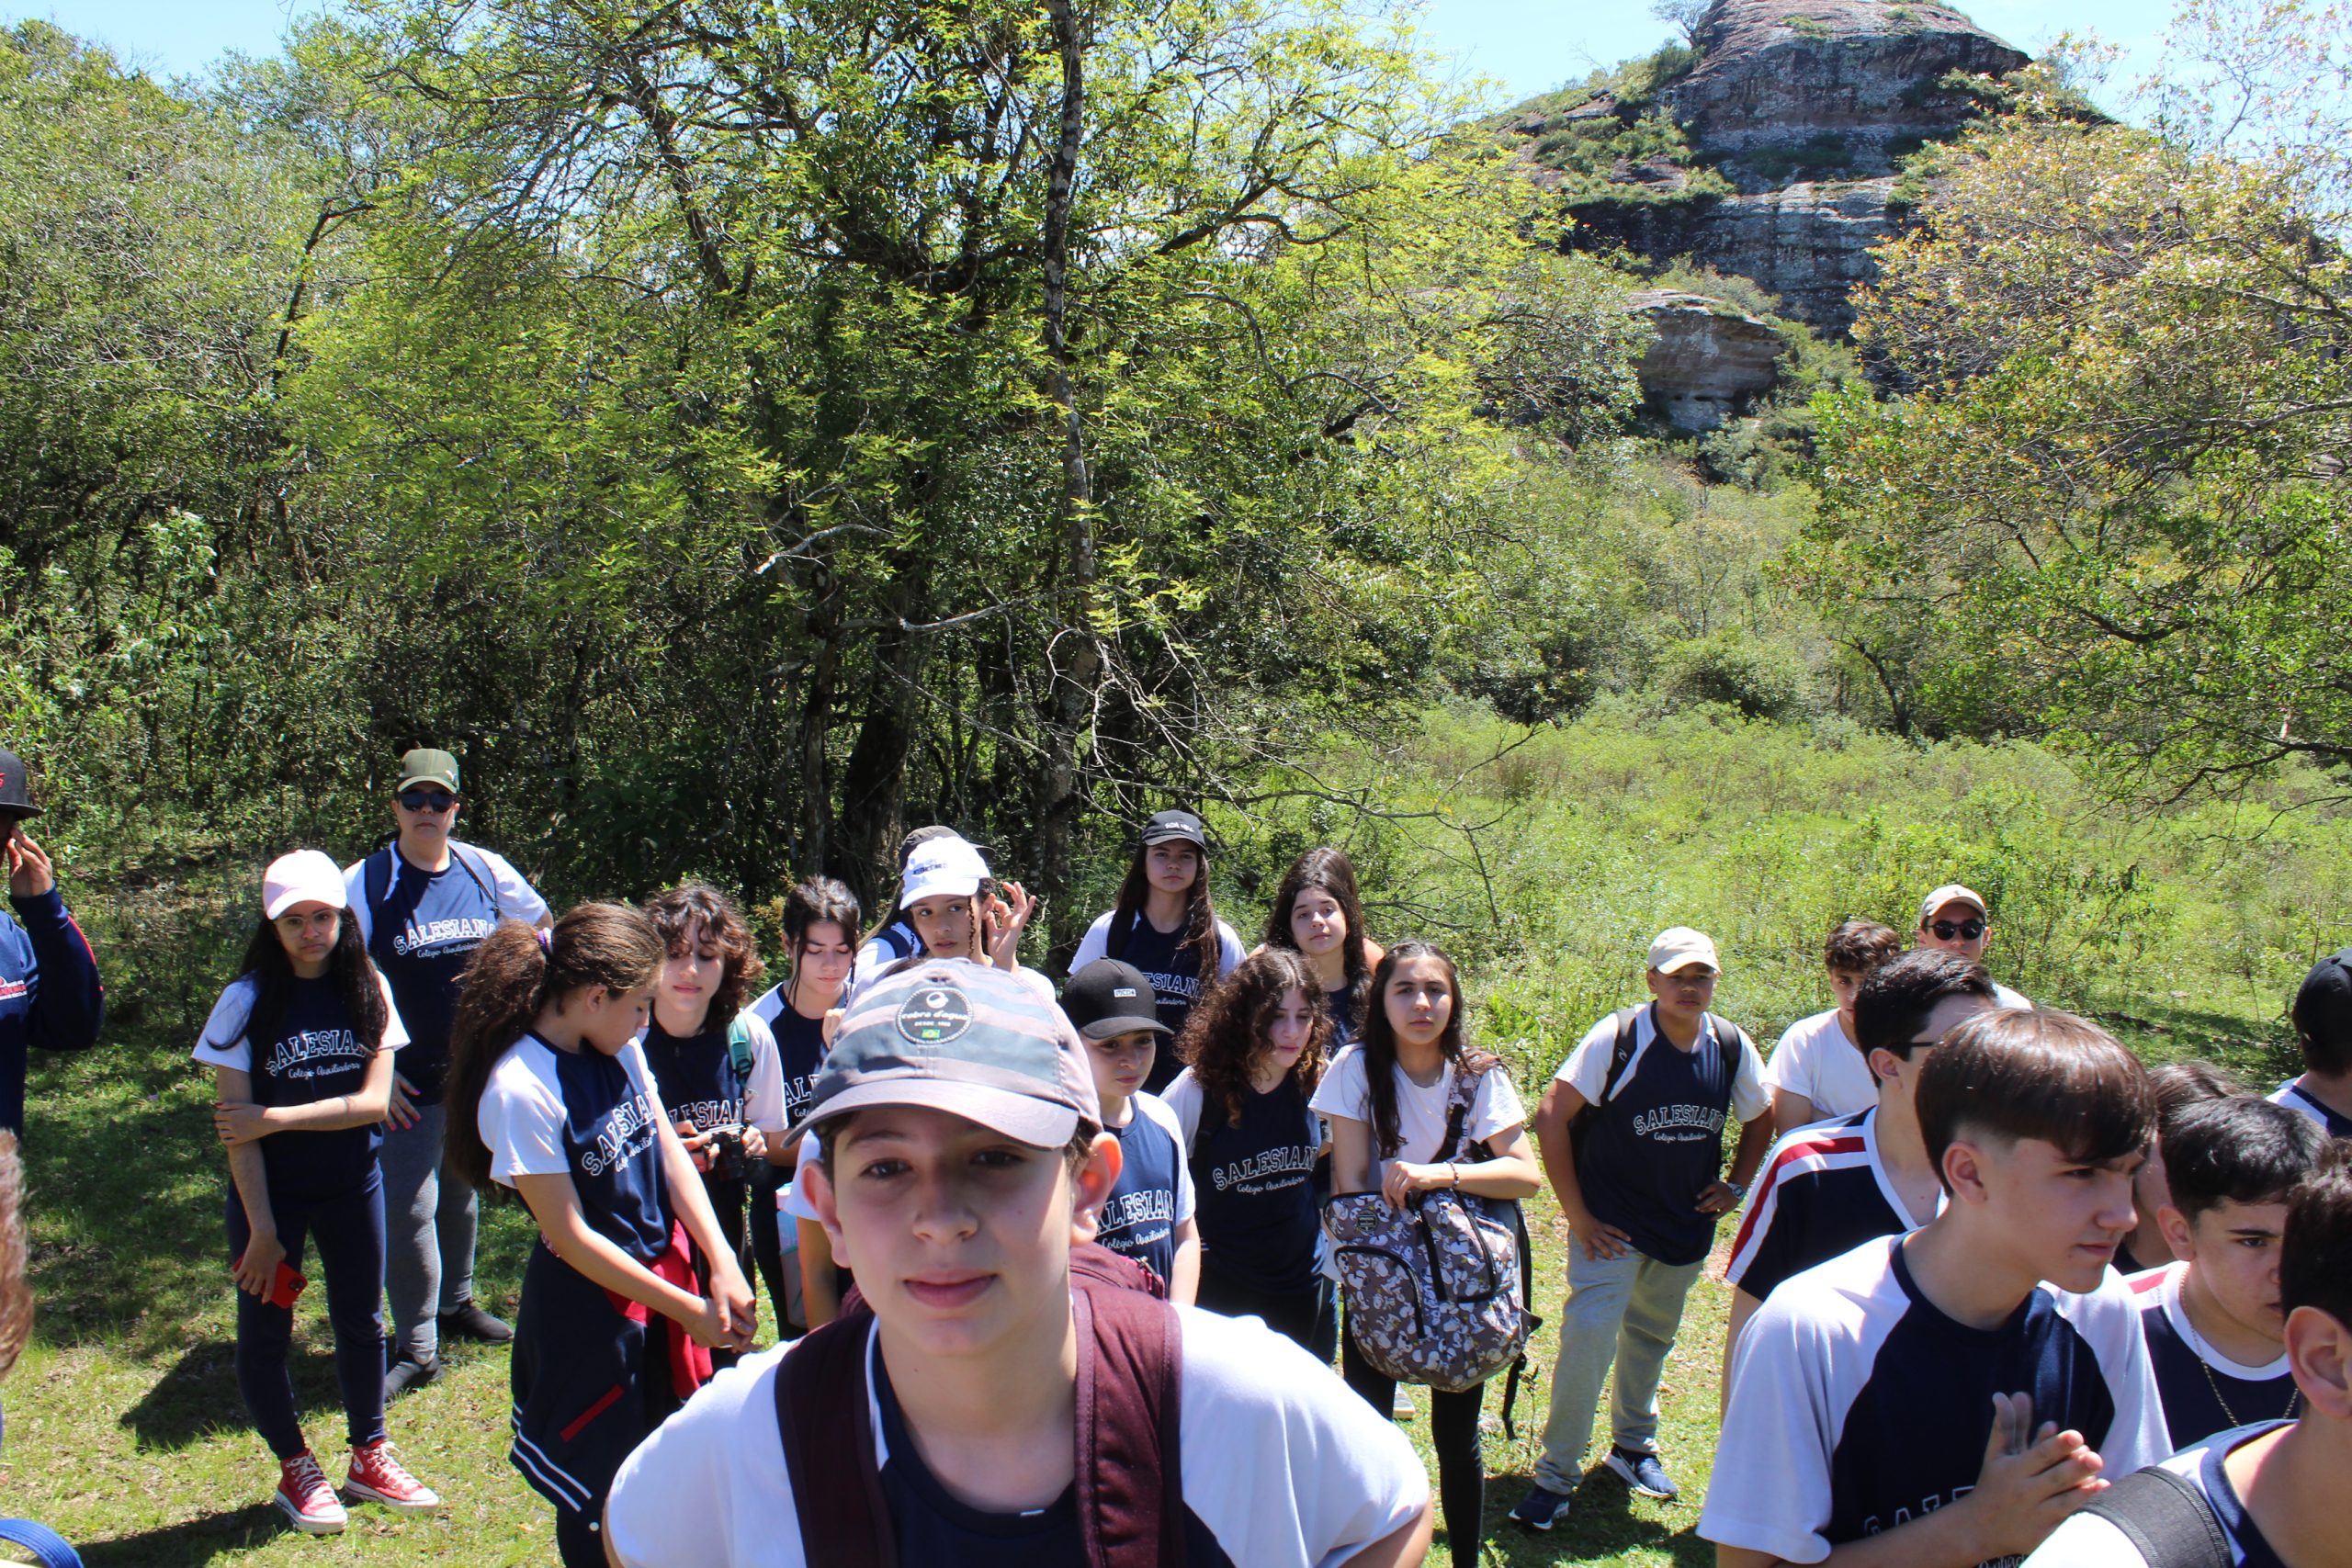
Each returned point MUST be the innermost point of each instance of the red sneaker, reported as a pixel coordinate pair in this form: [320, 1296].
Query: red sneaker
[305, 1498]
[376, 1477]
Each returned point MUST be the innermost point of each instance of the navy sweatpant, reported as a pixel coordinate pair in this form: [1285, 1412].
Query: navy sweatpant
[349, 1233]
[589, 1384]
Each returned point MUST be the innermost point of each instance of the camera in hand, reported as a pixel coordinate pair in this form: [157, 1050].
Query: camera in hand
[728, 1159]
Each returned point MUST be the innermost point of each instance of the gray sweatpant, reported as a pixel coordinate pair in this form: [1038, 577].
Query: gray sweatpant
[430, 1216]
[1626, 1310]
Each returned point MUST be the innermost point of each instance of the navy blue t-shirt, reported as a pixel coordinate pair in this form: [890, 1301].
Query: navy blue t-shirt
[2200, 1398]
[1154, 1190]
[594, 1117]
[1346, 1016]
[1175, 977]
[1253, 1184]
[1658, 1142]
[49, 995]
[1822, 1193]
[2295, 1097]
[933, 1528]
[696, 1077]
[422, 929]
[800, 1041]
[309, 1052]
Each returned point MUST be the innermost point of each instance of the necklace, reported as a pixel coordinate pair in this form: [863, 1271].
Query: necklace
[2294, 1399]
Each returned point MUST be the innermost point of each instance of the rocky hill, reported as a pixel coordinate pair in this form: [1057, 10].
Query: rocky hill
[1768, 149]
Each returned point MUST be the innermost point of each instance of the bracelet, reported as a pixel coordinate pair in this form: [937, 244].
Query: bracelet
[1454, 1171]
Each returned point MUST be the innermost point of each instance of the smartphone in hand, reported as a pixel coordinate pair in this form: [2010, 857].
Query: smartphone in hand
[284, 1286]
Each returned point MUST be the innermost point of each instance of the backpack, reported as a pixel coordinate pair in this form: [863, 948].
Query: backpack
[739, 1047]
[1437, 1291]
[2167, 1519]
[1130, 1485]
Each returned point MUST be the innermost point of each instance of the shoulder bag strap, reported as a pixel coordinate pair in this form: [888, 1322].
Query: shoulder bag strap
[48, 1549]
[738, 1047]
[489, 885]
[825, 1416]
[1130, 1386]
[1458, 1100]
[2167, 1519]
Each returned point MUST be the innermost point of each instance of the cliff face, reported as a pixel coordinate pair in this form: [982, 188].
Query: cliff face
[1774, 154]
[1708, 361]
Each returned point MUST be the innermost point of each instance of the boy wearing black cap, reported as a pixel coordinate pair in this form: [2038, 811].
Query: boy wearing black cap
[941, 1420]
[1166, 925]
[49, 995]
[2322, 1015]
[1149, 1215]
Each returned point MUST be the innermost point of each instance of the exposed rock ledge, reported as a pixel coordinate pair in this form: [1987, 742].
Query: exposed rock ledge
[1710, 361]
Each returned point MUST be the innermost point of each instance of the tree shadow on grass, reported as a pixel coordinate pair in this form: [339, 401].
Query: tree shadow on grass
[189, 1542]
[198, 1397]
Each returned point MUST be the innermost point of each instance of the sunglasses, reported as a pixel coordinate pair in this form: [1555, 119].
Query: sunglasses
[1968, 930]
[427, 799]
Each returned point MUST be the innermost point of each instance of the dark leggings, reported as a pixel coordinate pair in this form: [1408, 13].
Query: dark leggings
[1309, 1317]
[1454, 1432]
[349, 1231]
[579, 1540]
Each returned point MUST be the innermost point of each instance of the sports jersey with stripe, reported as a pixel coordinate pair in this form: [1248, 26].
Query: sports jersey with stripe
[2204, 1391]
[2086, 1541]
[1858, 1406]
[50, 994]
[1824, 1191]
[2295, 1097]
[589, 1116]
[800, 1047]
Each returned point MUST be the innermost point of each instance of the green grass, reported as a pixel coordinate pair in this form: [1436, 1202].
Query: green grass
[1545, 859]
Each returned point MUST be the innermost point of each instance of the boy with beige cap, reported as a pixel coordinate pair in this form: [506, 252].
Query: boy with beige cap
[1632, 1134]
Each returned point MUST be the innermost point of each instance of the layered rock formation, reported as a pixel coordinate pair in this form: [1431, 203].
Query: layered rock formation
[1791, 122]
[1709, 361]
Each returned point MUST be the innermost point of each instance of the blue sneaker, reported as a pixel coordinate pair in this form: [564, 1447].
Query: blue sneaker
[1540, 1509]
[1644, 1473]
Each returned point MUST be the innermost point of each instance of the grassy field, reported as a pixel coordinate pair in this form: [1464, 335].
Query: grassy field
[1544, 859]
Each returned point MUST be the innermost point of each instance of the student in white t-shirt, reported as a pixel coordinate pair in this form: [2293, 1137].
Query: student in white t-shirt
[1946, 1398]
[956, 1119]
[549, 1094]
[1817, 1072]
[2273, 1489]
[1387, 1098]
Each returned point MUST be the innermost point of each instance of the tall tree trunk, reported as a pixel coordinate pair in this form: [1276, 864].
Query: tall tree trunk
[874, 779]
[1074, 658]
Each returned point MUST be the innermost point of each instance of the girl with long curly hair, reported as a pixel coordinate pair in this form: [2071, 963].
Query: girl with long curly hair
[1256, 1047]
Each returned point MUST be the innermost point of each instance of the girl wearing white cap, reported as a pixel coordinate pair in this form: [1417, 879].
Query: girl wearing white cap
[301, 1045]
[956, 911]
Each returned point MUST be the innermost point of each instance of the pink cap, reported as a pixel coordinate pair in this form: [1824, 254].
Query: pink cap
[304, 876]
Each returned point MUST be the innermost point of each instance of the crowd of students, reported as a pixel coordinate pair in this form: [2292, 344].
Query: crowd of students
[1051, 1268]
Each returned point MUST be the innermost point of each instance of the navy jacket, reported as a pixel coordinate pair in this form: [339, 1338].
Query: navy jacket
[49, 995]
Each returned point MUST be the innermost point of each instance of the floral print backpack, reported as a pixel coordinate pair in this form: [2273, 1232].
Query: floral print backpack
[1437, 1291]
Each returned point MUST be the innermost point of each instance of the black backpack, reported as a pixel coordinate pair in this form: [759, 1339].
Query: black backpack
[1730, 1039]
[2167, 1519]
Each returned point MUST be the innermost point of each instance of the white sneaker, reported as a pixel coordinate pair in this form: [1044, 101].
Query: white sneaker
[1401, 1406]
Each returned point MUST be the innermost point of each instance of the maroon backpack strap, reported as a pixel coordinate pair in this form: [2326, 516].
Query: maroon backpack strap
[826, 1419]
[1130, 1382]
[1092, 1263]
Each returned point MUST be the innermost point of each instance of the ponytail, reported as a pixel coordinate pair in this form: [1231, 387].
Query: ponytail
[514, 974]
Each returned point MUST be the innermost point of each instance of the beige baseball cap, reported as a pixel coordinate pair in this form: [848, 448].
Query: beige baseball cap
[1951, 892]
[1679, 947]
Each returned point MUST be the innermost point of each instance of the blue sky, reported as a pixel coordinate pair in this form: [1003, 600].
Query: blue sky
[1528, 46]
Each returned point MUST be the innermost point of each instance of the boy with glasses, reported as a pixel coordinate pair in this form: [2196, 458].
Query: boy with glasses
[1947, 1397]
[1828, 1189]
[1955, 919]
[1640, 1181]
[423, 903]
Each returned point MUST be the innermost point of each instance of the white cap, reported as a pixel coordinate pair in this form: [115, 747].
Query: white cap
[305, 877]
[1951, 892]
[1678, 947]
[943, 867]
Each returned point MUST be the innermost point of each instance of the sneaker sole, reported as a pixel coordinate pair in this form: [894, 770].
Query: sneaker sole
[366, 1494]
[1541, 1527]
[1625, 1473]
[306, 1524]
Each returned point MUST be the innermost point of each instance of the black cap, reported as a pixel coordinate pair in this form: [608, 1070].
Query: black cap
[1109, 998]
[1171, 826]
[15, 797]
[2323, 1009]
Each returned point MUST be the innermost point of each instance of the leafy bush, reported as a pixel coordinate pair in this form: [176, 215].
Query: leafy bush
[1759, 679]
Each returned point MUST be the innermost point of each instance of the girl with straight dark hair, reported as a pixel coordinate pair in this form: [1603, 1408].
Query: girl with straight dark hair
[1318, 915]
[1164, 924]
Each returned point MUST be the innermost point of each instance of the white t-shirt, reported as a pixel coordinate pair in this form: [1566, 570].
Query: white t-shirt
[223, 1041]
[1284, 1464]
[2005, 997]
[1816, 1059]
[521, 1116]
[1857, 1405]
[1421, 1113]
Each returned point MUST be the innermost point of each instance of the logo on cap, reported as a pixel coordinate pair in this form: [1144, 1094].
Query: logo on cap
[934, 1015]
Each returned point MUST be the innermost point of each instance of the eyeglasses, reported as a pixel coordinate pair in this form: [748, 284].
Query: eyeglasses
[427, 799]
[1967, 930]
